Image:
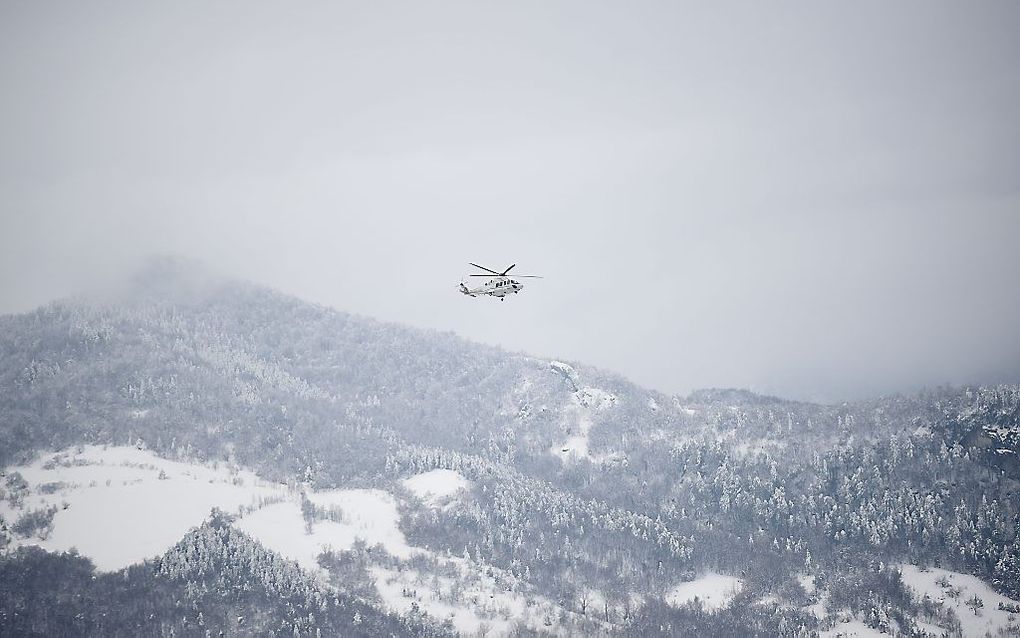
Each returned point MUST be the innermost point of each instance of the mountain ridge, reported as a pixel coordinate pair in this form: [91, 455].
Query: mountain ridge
[584, 485]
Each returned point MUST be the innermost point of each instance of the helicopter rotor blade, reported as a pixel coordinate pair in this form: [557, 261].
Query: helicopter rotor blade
[507, 270]
[485, 269]
[514, 277]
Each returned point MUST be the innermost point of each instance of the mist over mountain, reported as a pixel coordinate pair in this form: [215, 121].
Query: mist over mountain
[225, 458]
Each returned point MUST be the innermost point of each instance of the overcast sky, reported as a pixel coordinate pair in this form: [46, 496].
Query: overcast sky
[815, 199]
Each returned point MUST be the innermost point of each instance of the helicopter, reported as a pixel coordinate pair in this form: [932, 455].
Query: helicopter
[499, 285]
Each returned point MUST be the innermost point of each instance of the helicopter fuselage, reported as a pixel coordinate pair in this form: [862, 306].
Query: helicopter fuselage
[496, 287]
[499, 286]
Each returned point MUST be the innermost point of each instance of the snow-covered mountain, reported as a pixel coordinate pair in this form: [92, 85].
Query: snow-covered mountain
[248, 451]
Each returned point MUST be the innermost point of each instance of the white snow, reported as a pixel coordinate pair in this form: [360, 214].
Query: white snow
[475, 598]
[989, 619]
[436, 486]
[819, 608]
[930, 628]
[749, 448]
[998, 431]
[479, 595]
[118, 509]
[120, 512]
[370, 515]
[679, 405]
[595, 399]
[469, 608]
[851, 629]
[578, 418]
[566, 370]
[713, 590]
[281, 529]
[807, 581]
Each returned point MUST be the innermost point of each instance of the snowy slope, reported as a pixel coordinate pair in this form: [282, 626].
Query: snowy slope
[714, 591]
[953, 589]
[281, 528]
[475, 597]
[578, 419]
[121, 505]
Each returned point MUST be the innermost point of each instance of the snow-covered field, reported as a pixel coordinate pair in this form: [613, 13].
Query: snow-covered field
[479, 598]
[953, 589]
[436, 487]
[713, 590]
[947, 588]
[121, 505]
[370, 515]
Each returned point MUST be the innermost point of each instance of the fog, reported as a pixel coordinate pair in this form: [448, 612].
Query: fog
[814, 200]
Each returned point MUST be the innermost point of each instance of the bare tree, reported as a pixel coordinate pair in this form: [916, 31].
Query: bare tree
[975, 603]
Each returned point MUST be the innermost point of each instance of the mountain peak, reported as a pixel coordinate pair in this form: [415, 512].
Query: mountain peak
[172, 277]
[157, 278]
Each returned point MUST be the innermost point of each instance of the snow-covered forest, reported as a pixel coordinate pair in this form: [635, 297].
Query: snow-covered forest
[318, 473]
